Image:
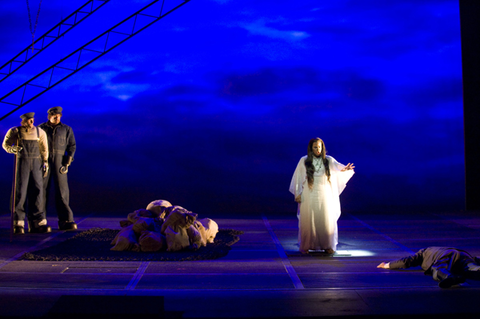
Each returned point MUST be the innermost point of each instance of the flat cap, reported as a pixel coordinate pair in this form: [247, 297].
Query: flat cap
[55, 110]
[29, 115]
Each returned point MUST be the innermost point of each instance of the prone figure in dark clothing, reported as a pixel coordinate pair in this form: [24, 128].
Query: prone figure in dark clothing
[449, 266]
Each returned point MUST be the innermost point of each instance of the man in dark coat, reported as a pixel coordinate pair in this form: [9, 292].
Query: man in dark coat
[449, 266]
[62, 146]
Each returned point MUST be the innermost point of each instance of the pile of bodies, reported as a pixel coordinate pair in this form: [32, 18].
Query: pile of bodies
[164, 227]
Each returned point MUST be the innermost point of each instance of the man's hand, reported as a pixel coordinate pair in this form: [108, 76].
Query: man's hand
[67, 160]
[45, 169]
[384, 265]
[16, 149]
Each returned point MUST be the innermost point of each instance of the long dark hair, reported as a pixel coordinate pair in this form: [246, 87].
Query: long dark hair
[309, 161]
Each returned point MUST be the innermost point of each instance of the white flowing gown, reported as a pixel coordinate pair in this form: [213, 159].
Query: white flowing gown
[319, 209]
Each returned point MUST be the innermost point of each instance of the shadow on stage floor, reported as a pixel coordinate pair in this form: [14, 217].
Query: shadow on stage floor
[263, 275]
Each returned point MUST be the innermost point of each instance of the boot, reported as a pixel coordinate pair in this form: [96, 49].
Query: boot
[19, 227]
[67, 225]
[450, 281]
[18, 230]
[39, 227]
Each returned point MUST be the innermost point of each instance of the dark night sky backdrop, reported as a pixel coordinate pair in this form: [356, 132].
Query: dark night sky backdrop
[212, 107]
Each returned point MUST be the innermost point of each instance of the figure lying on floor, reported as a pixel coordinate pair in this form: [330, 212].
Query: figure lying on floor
[449, 266]
[163, 226]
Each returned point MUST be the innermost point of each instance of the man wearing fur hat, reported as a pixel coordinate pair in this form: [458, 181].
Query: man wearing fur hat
[62, 146]
[29, 144]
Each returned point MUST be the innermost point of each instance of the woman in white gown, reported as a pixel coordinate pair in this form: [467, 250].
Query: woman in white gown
[316, 184]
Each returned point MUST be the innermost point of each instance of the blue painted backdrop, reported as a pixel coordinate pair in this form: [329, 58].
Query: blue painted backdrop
[212, 107]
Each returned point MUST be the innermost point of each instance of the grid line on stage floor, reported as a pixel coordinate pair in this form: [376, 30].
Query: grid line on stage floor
[297, 283]
[50, 237]
[263, 275]
[137, 276]
[382, 234]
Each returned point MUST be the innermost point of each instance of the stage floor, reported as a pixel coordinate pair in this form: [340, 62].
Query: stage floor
[262, 276]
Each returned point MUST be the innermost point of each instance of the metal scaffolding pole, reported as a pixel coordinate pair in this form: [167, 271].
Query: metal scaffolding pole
[83, 56]
[50, 37]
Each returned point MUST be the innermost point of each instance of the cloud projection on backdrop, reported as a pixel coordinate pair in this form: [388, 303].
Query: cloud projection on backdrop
[212, 106]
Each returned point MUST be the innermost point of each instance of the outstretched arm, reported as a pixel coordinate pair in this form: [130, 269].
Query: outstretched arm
[405, 262]
[349, 166]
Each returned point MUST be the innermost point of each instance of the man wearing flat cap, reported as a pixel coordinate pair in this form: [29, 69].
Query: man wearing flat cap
[29, 144]
[62, 146]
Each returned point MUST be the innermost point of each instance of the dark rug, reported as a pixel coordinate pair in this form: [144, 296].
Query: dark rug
[94, 245]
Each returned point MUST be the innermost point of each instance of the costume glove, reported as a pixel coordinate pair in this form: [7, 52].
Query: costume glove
[45, 169]
[67, 160]
[16, 149]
